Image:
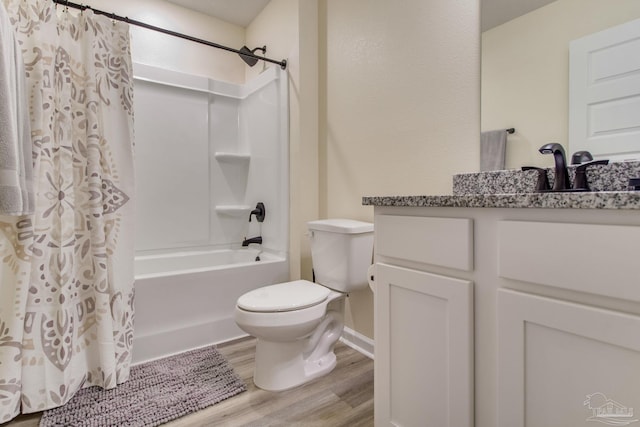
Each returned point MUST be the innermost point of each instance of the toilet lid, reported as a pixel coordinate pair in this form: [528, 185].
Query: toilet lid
[284, 297]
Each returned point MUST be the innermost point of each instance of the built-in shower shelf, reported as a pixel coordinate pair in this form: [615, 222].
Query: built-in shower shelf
[222, 156]
[233, 210]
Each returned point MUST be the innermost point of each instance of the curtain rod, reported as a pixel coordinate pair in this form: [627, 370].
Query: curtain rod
[282, 64]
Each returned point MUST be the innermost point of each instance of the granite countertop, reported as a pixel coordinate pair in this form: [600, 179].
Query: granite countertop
[515, 189]
[589, 200]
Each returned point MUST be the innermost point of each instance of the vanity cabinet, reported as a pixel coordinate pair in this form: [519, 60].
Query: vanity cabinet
[562, 362]
[506, 317]
[423, 323]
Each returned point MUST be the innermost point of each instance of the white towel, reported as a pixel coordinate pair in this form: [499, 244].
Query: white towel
[493, 144]
[16, 167]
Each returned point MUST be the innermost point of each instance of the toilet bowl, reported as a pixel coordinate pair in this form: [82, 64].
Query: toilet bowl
[298, 323]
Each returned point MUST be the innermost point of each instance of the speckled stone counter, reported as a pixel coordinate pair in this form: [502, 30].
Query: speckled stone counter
[611, 177]
[591, 200]
[515, 189]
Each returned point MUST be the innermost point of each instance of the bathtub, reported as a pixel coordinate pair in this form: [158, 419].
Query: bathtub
[186, 300]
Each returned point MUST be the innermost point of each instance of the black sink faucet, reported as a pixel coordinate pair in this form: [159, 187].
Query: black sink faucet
[561, 181]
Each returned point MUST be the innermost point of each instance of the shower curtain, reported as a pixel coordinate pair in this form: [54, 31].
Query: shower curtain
[66, 273]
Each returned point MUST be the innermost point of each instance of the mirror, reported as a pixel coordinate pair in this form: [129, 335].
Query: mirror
[525, 67]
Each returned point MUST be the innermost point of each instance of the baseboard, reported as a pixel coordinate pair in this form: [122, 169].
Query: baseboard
[358, 342]
[166, 343]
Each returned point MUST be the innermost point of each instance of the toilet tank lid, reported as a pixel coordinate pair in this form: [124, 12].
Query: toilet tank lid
[338, 225]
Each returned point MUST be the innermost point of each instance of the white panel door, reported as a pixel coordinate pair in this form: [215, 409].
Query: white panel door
[565, 364]
[604, 93]
[424, 349]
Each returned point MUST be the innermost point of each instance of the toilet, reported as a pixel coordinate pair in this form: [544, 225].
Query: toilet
[297, 323]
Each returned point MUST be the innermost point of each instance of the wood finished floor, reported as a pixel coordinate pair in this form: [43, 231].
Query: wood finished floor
[340, 399]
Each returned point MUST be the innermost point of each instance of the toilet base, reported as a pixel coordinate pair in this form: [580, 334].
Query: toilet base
[280, 366]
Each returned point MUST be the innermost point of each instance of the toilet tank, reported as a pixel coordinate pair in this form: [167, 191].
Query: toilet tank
[341, 251]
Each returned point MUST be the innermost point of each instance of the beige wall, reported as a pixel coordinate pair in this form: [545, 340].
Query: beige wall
[401, 107]
[161, 50]
[277, 28]
[525, 68]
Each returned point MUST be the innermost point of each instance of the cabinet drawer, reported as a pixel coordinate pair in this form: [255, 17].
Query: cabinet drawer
[599, 259]
[446, 242]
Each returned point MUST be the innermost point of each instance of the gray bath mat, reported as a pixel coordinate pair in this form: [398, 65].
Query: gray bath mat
[157, 392]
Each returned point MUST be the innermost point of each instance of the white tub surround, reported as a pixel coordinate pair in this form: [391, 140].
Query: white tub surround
[206, 153]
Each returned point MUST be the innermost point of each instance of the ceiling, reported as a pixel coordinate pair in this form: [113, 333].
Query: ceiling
[238, 12]
[496, 12]
[242, 12]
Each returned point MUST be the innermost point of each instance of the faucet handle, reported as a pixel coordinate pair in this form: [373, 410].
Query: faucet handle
[543, 180]
[580, 157]
[259, 212]
[580, 181]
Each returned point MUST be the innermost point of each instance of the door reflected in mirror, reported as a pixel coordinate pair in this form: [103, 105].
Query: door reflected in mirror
[525, 74]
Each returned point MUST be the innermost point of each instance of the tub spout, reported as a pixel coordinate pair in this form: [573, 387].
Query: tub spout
[247, 242]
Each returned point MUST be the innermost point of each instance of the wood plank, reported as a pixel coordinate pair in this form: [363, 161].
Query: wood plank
[342, 398]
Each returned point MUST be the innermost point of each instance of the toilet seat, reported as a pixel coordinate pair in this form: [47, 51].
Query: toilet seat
[282, 297]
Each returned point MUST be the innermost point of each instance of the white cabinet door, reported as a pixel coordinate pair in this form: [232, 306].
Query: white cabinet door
[565, 364]
[424, 349]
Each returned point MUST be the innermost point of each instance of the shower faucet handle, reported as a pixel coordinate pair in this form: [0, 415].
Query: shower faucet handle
[260, 212]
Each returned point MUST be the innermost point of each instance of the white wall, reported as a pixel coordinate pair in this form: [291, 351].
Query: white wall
[525, 69]
[401, 107]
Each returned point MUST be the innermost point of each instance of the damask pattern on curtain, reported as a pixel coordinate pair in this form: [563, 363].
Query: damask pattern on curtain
[66, 273]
